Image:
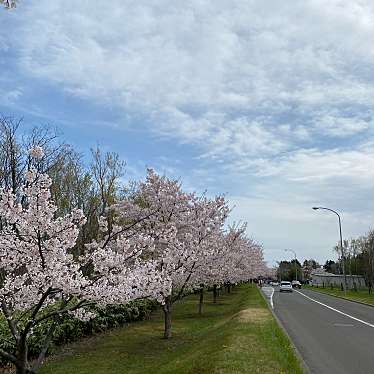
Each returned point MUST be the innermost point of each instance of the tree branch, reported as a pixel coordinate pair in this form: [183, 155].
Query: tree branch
[111, 236]
[180, 293]
[11, 324]
[45, 346]
[81, 304]
[8, 356]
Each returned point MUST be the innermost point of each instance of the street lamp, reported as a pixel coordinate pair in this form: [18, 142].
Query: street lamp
[290, 250]
[341, 242]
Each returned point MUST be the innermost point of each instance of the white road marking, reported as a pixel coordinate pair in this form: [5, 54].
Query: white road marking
[336, 310]
[343, 325]
[270, 296]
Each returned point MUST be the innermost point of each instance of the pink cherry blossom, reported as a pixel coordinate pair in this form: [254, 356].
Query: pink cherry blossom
[36, 152]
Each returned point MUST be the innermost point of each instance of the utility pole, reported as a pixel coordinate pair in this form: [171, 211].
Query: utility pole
[341, 243]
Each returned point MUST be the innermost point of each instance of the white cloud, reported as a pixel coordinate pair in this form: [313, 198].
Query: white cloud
[342, 126]
[341, 178]
[280, 93]
[279, 225]
[313, 165]
[277, 202]
[196, 70]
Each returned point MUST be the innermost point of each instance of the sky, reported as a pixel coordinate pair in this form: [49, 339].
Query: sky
[267, 102]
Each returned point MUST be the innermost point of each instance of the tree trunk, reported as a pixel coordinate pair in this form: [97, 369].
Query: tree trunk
[167, 314]
[228, 288]
[215, 294]
[201, 300]
[22, 365]
[23, 370]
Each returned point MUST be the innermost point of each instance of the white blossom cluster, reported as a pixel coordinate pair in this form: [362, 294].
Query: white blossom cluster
[9, 4]
[36, 152]
[190, 244]
[34, 248]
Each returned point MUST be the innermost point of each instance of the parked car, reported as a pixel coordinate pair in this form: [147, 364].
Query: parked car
[296, 284]
[274, 283]
[285, 286]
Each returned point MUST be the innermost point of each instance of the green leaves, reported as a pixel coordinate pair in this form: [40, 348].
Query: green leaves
[71, 329]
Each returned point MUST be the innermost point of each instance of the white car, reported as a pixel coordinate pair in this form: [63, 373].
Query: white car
[274, 284]
[296, 284]
[285, 286]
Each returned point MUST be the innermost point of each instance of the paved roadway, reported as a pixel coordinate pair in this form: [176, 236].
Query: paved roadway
[333, 336]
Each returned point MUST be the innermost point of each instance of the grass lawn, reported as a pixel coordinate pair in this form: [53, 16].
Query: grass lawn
[236, 335]
[361, 295]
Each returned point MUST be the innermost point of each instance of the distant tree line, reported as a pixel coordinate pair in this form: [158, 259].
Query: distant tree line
[292, 270]
[359, 258]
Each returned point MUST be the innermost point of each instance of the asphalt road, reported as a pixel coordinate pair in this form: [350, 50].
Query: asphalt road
[328, 341]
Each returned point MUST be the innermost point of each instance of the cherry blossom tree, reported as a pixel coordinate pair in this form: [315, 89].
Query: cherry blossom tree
[209, 273]
[183, 227]
[161, 243]
[236, 259]
[191, 246]
[122, 266]
[196, 243]
[42, 280]
[244, 260]
[8, 4]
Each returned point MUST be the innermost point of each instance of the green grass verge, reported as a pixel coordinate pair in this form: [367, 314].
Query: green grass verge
[236, 335]
[362, 296]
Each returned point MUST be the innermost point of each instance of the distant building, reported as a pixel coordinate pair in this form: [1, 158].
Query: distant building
[320, 277]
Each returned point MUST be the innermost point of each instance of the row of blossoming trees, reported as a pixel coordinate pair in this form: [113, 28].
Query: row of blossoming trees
[160, 242]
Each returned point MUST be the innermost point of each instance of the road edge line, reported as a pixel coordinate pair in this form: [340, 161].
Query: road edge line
[340, 297]
[271, 298]
[302, 362]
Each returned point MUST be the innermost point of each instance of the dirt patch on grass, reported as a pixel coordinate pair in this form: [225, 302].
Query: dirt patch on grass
[253, 315]
[245, 354]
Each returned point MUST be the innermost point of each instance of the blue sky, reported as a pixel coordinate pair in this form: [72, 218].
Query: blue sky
[270, 103]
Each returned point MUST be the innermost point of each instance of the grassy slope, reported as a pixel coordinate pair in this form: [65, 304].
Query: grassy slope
[236, 335]
[362, 295]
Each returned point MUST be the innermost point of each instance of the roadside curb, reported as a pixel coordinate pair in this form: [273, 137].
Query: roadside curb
[303, 364]
[341, 297]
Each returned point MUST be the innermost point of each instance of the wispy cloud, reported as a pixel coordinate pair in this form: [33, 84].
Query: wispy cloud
[213, 72]
[276, 94]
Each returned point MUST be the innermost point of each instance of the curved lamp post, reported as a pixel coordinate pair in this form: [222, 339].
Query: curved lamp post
[341, 242]
[290, 250]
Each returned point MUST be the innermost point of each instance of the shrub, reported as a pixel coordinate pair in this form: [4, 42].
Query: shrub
[72, 329]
